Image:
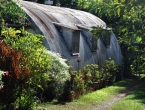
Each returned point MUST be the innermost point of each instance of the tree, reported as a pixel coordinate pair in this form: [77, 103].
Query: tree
[127, 18]
[67, 3]
[12, 12]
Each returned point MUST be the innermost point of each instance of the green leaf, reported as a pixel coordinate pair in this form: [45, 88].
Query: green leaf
[39, 86]
[18, 31]
[138, 39]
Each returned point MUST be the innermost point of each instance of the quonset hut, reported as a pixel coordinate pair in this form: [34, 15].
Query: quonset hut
[66, 32]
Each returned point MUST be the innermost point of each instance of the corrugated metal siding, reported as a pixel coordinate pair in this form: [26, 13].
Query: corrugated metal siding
[46, 18]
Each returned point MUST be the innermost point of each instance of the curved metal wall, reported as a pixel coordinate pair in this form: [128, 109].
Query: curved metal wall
[58, 25]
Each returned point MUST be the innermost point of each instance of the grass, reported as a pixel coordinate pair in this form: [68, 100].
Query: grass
[134, 101]
[90, 100]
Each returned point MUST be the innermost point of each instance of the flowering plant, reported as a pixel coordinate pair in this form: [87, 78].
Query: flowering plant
[79, 59]
[109, 69]
[58, 65]
[6, 73]
[12, 12]
[1, 82]
[43, 66]
[79, 83]
[59, 71]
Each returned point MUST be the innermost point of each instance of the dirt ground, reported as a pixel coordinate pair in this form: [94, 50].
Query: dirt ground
[107, 104]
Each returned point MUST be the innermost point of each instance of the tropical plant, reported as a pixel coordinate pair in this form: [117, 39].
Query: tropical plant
[85, 77]
[59, 72]
[78, 83]
[126, 17]
[12, 12]
[109, 69]
[15, 76]
[97, 32]
[31, 66]
[89, 72]
[25, 101]
[67, 3]
[138, 65]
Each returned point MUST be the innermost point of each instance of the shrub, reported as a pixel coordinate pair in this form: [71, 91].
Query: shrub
[90, 74]
[37, 68]
[59, 72]
[109, 70]
[12, 12]
[78, 85]
[15, 76]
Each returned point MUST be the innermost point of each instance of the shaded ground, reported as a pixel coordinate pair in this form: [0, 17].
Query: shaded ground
[107, 104]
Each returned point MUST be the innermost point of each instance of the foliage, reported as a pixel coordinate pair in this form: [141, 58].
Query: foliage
[91, 73]
[63, 3]
[85, 78]
[75, 4]
[83, 4]
[15, 76]
[126, 17]
[102, 33]
[96, 31]
[42, 60]
[138, 65]
[59, 72]
[78, 84]
[109, 69]
[67, 88]
[32, 67]
[12, 12]
[125, 11]
[26, 100]
[66, 3]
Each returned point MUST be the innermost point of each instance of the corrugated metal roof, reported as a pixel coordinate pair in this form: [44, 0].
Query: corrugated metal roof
[46, 18]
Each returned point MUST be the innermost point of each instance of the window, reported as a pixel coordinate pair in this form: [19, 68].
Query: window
[94, 44]
[91, 41]
[106, 33]
[75, 42]
[71, 37]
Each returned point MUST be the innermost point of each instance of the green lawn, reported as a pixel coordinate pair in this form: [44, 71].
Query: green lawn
[134, 101]
[90, 100]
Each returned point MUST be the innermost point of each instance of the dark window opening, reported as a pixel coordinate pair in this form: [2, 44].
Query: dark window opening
[71, 37]
[75, 42]
[94, 45]
[105, 37]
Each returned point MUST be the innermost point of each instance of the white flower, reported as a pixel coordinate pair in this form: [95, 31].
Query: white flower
[59, 70]
[1, 74]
